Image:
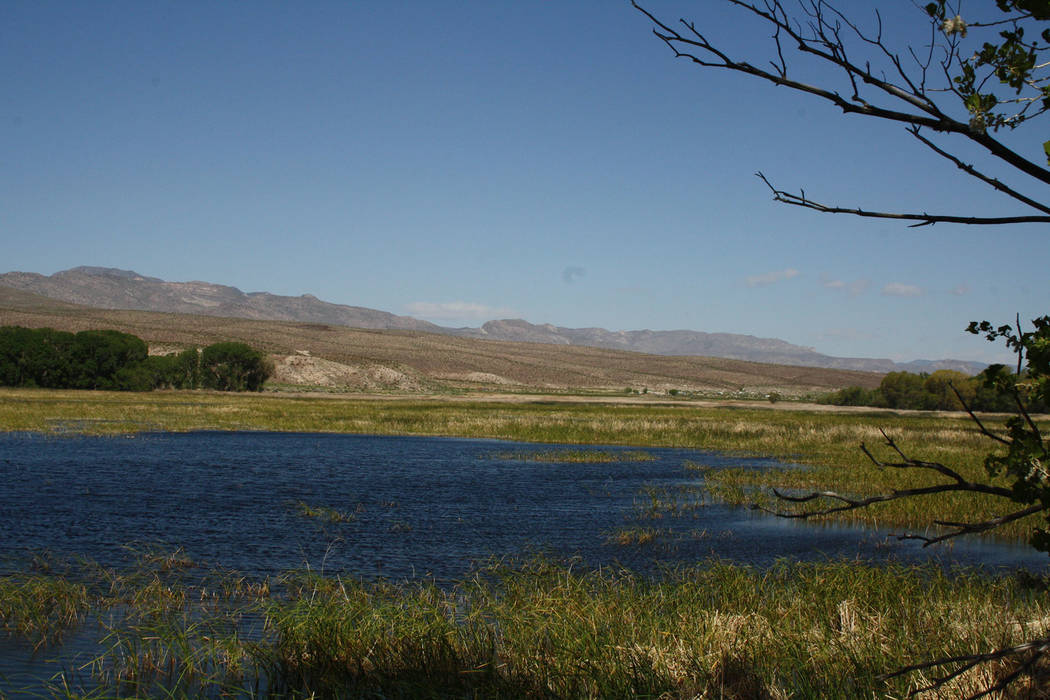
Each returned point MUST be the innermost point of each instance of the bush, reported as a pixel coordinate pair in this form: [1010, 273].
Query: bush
[233, 367]
[107, 359]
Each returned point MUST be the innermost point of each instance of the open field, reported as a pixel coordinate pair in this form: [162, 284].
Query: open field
[827, 442]
[347, 359]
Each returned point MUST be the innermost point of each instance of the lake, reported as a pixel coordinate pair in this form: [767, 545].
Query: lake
[257, 502]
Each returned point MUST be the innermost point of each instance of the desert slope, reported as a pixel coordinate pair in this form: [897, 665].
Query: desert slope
[415, 361]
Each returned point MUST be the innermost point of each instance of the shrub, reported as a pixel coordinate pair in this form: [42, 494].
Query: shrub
[233, 367]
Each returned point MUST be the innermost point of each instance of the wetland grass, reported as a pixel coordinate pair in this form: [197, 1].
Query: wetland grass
[39, 608]
[323, 513]
[826, 442]
[546, 629]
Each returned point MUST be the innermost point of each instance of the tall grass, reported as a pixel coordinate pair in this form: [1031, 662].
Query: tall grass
[39, 608]
[545, 629]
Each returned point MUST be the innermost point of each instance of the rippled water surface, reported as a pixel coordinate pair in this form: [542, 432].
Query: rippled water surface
[416, 505]
[410, 506]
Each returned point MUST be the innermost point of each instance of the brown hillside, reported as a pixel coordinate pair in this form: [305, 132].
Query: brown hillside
[417, 361]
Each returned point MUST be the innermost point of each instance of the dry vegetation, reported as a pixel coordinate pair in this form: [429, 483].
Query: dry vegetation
[412, 362]
[538, 629]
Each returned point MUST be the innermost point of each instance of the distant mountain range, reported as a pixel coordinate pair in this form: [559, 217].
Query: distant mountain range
[123, 289]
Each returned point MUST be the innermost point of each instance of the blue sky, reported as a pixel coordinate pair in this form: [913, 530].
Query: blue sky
[475, 160]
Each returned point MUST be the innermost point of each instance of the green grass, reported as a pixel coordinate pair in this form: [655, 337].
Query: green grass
[39, 608]
[545, 629]
[323, 513]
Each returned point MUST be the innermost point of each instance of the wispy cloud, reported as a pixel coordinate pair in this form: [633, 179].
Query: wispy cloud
[899, 289]
[769, 278]
[456, 310]
[854, 288]
[961, 289]
[572, 273]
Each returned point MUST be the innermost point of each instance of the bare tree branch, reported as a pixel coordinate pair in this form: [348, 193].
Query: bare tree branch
[924, 219]
[970, 170]
[1036, 648]
[958, 484]
[824, 41]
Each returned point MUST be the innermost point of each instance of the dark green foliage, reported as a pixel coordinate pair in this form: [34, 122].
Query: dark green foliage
[854, 396]
[233, 367]
[181, 371]
[941, 391]
[1026, 454]
[35, 357]
[905, 390]
[107, 359]
[104, 360]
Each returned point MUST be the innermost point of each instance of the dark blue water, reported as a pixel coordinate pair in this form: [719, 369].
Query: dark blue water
[420, 506]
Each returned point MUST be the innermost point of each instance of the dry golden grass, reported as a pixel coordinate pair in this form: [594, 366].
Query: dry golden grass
[428, 362]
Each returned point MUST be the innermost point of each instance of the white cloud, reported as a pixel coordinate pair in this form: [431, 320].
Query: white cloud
[771, 277]
[854, 288]
[961, 289]
[456, 310]
[899, 289]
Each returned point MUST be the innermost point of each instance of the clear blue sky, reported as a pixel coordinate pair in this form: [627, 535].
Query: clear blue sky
[463, 161]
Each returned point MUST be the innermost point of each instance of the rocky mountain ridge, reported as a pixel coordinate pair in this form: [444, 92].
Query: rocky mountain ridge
[110, 288]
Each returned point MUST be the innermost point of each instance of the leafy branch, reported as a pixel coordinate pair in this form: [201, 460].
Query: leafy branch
[905, 94]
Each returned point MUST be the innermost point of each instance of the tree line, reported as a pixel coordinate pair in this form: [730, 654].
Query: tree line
[943, 390]
[112, 360]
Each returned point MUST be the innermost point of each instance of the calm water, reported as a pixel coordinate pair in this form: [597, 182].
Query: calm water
[421, 506]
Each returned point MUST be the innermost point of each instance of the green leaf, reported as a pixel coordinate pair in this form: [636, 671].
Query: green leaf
[1046, 149]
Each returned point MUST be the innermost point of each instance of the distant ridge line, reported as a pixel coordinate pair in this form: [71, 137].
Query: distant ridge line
[112, 288]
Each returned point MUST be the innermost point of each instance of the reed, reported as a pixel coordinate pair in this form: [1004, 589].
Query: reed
[41, 609]
[323, 513]
[637, 536]
[540, 628]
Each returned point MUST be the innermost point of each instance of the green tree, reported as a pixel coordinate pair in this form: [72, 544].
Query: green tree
[233, 367]
[97, 357]
[855, 396]
[983, 72]
[35, 357]
[904, 390]
[949, 390]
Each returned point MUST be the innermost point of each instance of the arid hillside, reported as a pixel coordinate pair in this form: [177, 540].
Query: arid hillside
[341, 358]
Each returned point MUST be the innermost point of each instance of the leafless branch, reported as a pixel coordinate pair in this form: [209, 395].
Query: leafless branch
[970, 170]
[972, 528]
[980, 426]
[958, 484]
[822, 38]
[924, 219]
[1034, 649]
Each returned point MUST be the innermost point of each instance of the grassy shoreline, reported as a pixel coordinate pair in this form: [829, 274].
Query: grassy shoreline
[827, 443]
[533, 629]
